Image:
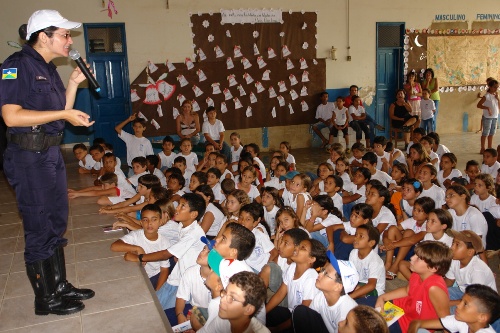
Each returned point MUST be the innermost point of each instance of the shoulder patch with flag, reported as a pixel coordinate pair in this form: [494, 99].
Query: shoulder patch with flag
[9, 73]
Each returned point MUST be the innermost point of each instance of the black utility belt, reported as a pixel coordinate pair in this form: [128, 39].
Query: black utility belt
[34, 141]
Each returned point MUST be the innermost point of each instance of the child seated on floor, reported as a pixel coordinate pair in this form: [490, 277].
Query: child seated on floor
[319, 214]
[358, 150]
[191, 158]
[324, 170]
[399, 174]
[85, 160]
[396, 155]
[490, 163]
[212, 220]
[427, 176]
[97, 153]
[180, 163]
[369, 161]
[360, 178]
[147, 240]
[140, 169]
[285, 147]
[363, 319]
[208, 161]
[254, 151]
[336, 151]
[167, 154]
[248, 176]
[330, 306]
[479, 307]
[448, 164]
[427, 142]
[298, 284]
[175, 184]
[236, 149]
[169, 227]
[343, 171]
[271, 203]
[368, 264]
[426, 295]
[286, 219]
[221, 164]
[197, 178]
[109, 193]
[151, 162]
[383, 157]
[214, 285]
[438, 148]
[213, 177]
[110, 165]
[411, 190]
[333, 186]
[275, 181]
[472, 169]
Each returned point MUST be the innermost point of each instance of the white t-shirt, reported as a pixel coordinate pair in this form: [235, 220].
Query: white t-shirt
[220, 325]
[126, 190]
[332, 163]
[166, 161]
[401, 157]
[411, 224]
[228, 268]
[134, 179]
[170, 231]
[191, 161]
[301, 289]
[223, 176]
[473, 220]
[161, 177]
[138, 238]
[352, 159]
[349, 229]
[287, 197]
[186, 250]
[235, 156]
[89, 162]
[290, 159]
[483, 205]
[275, 182]
[358, 112]
[332, 315]
[262, 250]
[218, 217]
[436, 193]
[445, 239]
[453, 325]
[325, 111]
[491, 102]
[253, 193]
[427, 107]
[383, 177]
[387, 156]
[440, 177]
[218, 196]
[330, 220]
[384, 216]
[371, 267]
[433, 156]
[361, 191]
[213, 130]
[492, 170]
[442, 149]
[406, 208]
[213, 311]
[192, 288]
[270, 218]
[136, 146]
[341, 116]
[476, 272]
[262, 167]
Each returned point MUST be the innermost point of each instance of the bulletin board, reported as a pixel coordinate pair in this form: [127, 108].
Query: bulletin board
[257, 74]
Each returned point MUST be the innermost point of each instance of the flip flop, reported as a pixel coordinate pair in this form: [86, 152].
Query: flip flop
[390, 275]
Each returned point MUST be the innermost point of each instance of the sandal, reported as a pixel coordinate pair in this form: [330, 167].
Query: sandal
[390, 275]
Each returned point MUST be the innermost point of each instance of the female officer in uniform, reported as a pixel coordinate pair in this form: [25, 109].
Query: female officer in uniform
[35, 106]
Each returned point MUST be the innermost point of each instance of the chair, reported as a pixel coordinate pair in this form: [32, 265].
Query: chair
[394, 134]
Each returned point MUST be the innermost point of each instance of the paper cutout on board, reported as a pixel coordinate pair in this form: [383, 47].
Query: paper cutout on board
[241, 90]
[293, 80]
[265, 75]
[189, 63]
[197, 91]
[248, 113]
[133, 95]
[248, 78]
[229, 63]
[218, 52]
[210, 102]
[223, 107]
[294, 95]
[182, 80]
[282, 86]
[201, 54]
[228, 33]
[290, 107]
[201, 75]
[237, 51]
[175, 113]
[152, 67]
[232, 80]
[289, 64]
[303, 91]
[259, 87]
[261, 62]
[141, 115]
[227, 94]
[281, 100]
[255, 50]
[166, 89]
[246, 63]
[196, 106]
[270, 53]
[272, 93]
[159, 110]
[155, 124]
[152, 96]
[303, 63]
[315, 61]
[304, 26]
[285, 51]
[304, 105]
[216, 88]
[273, 112]
[237, 103]
[305, 76]
[170, 66]
[253, 98]
[181, 98]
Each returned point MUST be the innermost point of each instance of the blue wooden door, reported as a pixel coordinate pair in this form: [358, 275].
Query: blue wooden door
[109, 63]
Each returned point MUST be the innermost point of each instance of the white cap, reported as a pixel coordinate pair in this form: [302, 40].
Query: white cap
[45, 18]
[346, 270]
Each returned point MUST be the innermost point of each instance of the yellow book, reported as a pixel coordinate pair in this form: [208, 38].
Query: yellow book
[391, 313]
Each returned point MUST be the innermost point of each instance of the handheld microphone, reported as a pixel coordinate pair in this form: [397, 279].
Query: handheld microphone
[75, 55]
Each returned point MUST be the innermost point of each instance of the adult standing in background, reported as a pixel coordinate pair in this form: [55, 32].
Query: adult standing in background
[35, 106]
[489, 104]
[324, 114]
[430, 82]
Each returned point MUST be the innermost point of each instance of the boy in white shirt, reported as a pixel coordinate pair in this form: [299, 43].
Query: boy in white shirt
[139, 168]
[335, 280]
[236, 150]
[340, 122]
[137, 144]
[438, 147]
[85, 160]
[97, 153]
[152, 162]
[180, 163]
[213, 130]
[370, 162]
[324, 114]
[147, 240]
[490, 163]
[191, 158]
[383, 157]
[254, 150]
[428, 109]
[167, 154]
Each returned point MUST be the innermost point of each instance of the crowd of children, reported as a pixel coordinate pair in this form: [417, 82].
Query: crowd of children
[232, 246]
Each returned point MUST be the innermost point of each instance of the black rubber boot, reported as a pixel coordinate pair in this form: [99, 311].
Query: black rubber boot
[46, 299]
[63, 287]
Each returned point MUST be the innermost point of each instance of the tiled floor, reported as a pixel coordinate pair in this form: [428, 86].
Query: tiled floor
[123, 301]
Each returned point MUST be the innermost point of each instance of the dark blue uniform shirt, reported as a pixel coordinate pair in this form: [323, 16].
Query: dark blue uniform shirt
[37, 87]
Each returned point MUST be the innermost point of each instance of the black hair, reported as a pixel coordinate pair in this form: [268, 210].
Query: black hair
[139, 160]
[435, 136]
[326, 202]
[149, 181]
[318, 251]
[370, 157]
[491, 151]
[426, 203]
[23, 33]
[297, 235]
[252, 286]
[389, 147]
[201, 176]
[321, 94]
[109, 155]
[153, 159]
[358, 146]
[417, 184]
[444, 217]
[207, 191]
[180, 159]
[227, 186]
[139, 120]
[159, 192]
[339, 182]
[80, 146]
[340, 97]
[109, 177]
[419, 130]
[487, 300]
[353, 86]
[386, 194]
[180, 178]
[242, 239]
[284, 164]
[471, 163]
[98, 141]
[373, 233]
[215, 172]
[382, 140]
[173, 170]
[274, 192]
[365, 172]
[224, 157]
[168, 138]
[255, 147]
[96, 147]
[196, 203]
[363, 209]
[152, 208]
[256, 210]
[429, 70]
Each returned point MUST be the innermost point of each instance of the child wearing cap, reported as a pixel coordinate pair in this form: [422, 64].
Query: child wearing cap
[336, 279]
[479, 307]
[286, 195]
[466, 267]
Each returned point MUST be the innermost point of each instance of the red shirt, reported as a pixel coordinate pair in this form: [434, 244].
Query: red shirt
[417, 305]
[348, 101]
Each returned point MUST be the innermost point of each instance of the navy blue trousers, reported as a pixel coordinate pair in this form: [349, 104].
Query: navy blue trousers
[39, 180]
